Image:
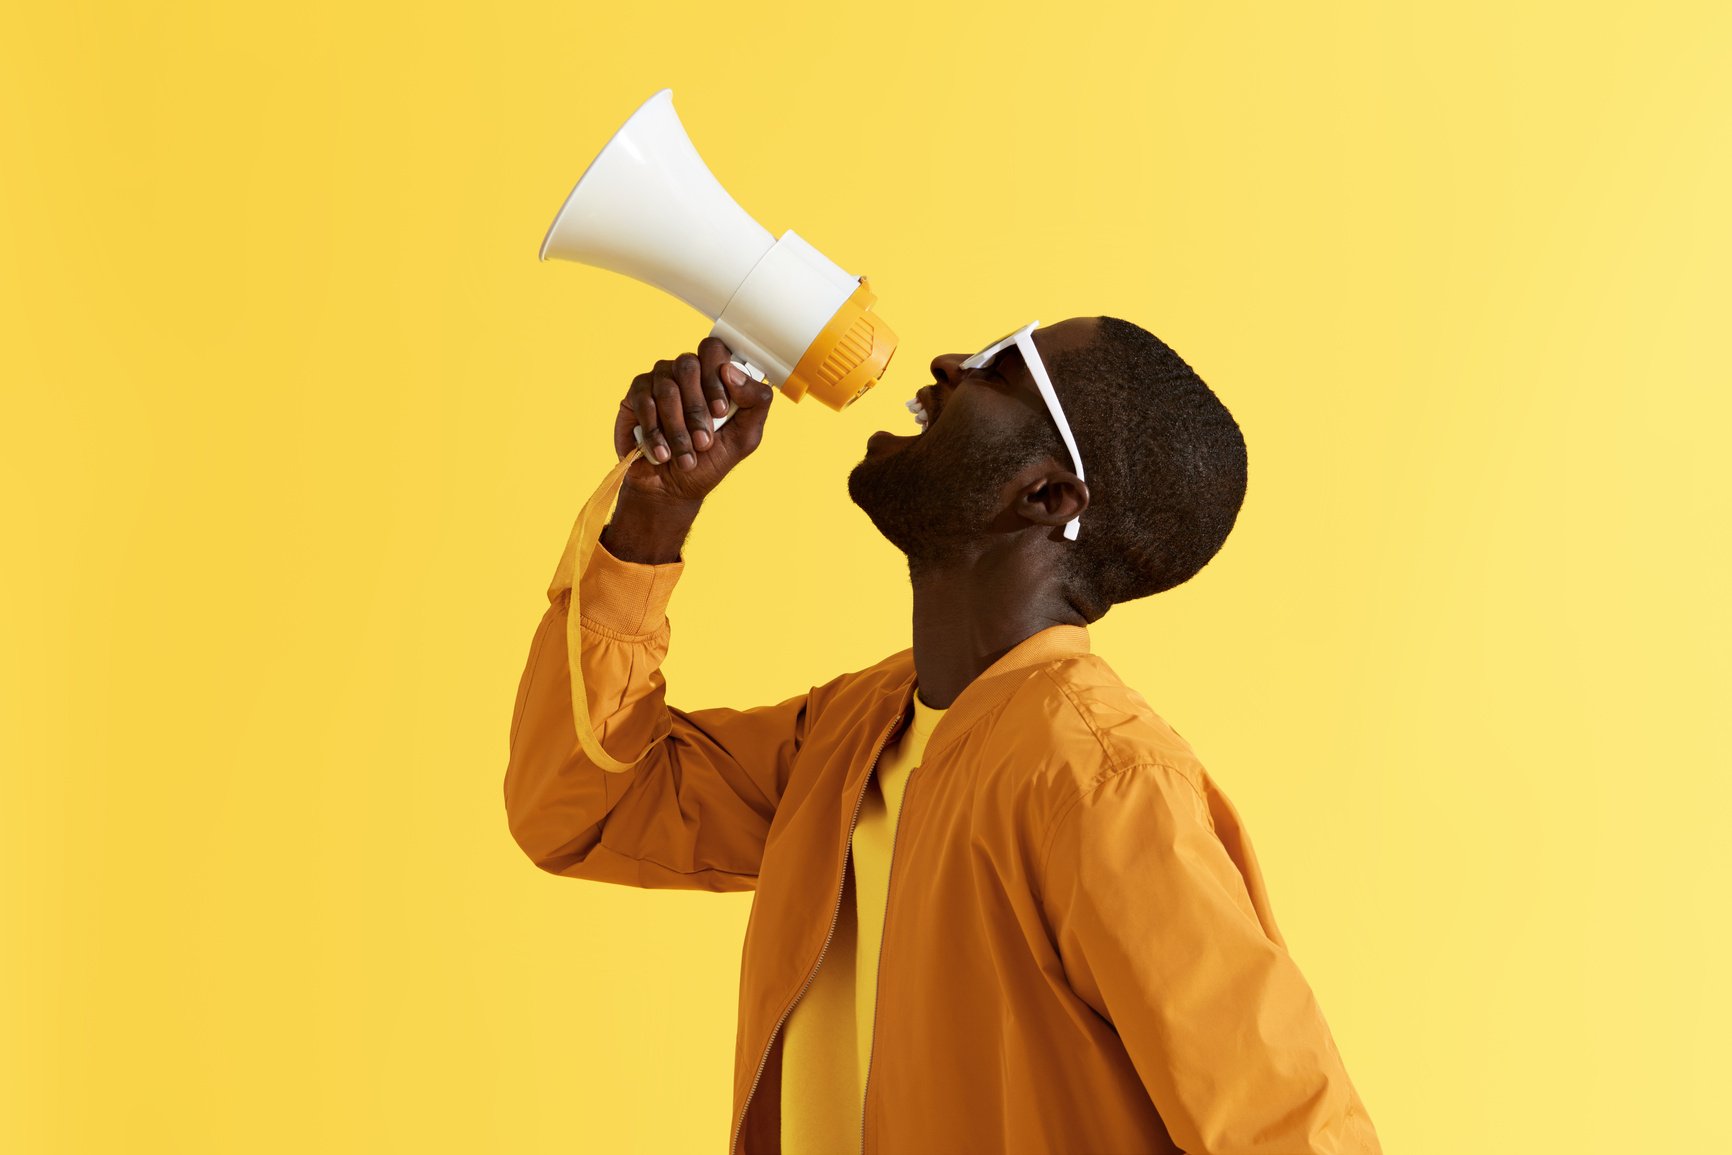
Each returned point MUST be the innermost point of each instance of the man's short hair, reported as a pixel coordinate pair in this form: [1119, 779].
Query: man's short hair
[1165, 465]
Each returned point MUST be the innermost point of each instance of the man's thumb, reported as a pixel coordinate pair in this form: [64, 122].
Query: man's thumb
[745, 428]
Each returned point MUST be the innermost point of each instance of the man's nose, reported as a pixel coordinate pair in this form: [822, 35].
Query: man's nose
[947, 367]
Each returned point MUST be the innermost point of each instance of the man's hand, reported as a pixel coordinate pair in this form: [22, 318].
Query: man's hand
[685, 456]
[677, 403]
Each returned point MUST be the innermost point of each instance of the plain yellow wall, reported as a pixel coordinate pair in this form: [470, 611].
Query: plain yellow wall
[295, 426]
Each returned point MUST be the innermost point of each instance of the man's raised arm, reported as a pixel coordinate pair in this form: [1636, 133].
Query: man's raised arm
[694, 812]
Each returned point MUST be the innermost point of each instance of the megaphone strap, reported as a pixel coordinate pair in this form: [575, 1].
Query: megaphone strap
[572, 564]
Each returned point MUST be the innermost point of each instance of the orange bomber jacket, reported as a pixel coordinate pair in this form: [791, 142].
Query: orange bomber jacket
[1078, 952]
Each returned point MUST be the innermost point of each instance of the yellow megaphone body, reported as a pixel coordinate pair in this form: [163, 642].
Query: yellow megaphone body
[649, 208]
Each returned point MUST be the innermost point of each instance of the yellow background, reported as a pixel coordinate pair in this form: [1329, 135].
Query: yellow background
[295, 426]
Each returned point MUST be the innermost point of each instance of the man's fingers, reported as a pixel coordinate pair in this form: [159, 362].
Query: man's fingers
[643, 405]
[714, 355]
[670, 390]
[678, 403]
[694, 409]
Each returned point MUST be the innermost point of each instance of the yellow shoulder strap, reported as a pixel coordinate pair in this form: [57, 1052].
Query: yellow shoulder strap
[572, 564]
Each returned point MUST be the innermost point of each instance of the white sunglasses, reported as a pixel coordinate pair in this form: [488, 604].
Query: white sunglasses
[1024, 341]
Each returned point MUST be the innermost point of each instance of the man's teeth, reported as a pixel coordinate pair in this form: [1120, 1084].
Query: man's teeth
[919, 411]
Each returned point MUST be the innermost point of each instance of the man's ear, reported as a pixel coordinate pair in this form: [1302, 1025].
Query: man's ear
[1053, 498]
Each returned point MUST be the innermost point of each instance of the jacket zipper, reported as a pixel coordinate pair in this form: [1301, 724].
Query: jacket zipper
[884, 929]
[835, 917]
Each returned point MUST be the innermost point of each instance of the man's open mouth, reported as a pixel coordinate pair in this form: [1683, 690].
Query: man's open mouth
[921, 405]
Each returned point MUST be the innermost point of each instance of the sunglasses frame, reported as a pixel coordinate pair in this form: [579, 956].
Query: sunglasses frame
[1023, 339]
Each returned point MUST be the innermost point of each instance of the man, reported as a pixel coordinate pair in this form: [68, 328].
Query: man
[1071, 948]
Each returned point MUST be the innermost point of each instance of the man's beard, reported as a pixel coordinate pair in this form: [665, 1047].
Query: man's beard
[936, 497]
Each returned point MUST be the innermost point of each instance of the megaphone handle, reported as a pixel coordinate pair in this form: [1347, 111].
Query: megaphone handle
[746, 367]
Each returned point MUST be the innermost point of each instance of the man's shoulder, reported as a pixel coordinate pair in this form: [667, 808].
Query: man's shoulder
[1073, 712]
[868, 683]
[1083, 724]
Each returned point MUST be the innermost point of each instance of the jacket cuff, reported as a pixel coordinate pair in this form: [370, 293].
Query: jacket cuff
[624, 597]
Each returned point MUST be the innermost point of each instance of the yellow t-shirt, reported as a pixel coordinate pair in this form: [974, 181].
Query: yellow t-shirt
[828, 1041]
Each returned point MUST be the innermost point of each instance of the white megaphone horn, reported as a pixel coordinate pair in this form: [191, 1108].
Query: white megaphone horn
[649, 208]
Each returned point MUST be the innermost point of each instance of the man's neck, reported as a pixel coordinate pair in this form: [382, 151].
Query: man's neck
[969, 614]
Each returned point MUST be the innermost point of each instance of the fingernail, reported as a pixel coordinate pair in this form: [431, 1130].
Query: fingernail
[686, 461]
[701, 438]
[733, 375]
[661, 452]
[718, 407]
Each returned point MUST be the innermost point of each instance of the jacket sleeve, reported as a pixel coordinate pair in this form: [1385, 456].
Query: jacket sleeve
[1164, 928]
[694, 813]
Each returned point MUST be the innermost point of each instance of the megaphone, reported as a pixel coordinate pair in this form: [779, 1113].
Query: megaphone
[649, 208]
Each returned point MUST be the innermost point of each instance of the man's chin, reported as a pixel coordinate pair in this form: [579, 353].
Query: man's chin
[881, 491]
[895, 493]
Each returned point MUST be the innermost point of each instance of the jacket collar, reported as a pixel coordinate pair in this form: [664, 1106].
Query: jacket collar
[995, 682]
